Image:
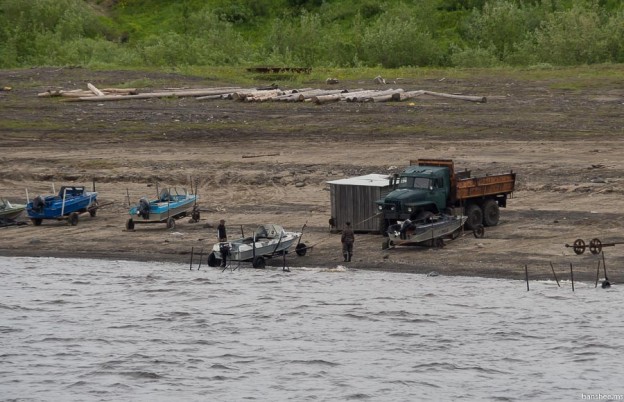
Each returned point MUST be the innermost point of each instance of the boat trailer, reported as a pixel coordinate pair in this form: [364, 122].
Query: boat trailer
[595, 246]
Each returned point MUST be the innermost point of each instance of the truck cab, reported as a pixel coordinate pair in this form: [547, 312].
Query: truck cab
[418, 191]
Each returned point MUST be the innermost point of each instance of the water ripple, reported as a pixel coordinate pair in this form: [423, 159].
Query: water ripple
[80, 330]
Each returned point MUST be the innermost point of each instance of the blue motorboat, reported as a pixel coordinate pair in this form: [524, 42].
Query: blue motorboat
[169, 206]
[68, 204]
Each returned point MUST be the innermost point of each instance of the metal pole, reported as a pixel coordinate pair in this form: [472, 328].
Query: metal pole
[63, 205]
[572, 276]
[526, 276]
[604, 266]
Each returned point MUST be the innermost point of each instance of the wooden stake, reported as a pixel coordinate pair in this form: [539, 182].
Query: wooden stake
[572, 276]
[553, 270]
[201, 254]
[526, 275]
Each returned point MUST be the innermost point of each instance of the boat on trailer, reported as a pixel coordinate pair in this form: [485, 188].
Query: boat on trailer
[9, 211]
[430, 232]
[267, 241]
[68, 204]
[169, 206]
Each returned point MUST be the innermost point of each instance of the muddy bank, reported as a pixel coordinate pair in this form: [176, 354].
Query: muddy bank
[565, 146]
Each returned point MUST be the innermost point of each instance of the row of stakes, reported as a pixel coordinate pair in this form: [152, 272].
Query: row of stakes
[579, 246]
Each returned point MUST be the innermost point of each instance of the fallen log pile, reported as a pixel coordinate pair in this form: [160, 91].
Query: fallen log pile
[317, 96]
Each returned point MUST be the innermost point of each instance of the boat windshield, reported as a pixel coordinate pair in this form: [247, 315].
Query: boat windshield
[268, 231]
[413, 182]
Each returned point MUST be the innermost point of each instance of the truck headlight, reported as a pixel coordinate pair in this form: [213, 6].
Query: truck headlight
[392, 208]
[410, 209]
[380, 207]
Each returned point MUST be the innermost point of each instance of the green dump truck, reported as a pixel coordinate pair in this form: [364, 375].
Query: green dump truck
[432, 186]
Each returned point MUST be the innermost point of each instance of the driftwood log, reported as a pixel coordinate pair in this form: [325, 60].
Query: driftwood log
[480, 99]
[321, 99]
[179, 94]
[93, 89]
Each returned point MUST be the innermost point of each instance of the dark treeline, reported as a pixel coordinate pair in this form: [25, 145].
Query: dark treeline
[316, 33]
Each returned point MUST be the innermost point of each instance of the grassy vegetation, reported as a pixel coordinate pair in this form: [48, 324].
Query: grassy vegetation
[346, 34]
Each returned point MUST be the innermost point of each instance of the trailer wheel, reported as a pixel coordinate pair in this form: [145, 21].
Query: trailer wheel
[301, 249]
[93, 208]
[479, 232]
[37, 221]
[73, 218]
[213, 261]
[258, 262]
[491, 213]
[475, 217]
[130, 224]
[171, 223]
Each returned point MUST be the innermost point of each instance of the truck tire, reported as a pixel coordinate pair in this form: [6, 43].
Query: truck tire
[491, 213]
[475, 216]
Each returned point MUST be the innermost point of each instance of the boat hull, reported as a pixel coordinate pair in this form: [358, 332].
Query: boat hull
[57, 206]
[440, 227]
[10, 211]
[161, 211]
[246, 249]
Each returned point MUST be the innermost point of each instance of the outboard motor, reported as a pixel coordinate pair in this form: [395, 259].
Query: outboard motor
[143, 209]
[38, 204]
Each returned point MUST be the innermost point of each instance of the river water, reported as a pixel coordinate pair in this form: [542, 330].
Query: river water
[81, 330]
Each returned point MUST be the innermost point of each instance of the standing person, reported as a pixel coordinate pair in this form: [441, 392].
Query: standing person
[222, 237]
[347, 242]
[221, 233]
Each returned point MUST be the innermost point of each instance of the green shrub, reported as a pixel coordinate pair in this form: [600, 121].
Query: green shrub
[500, 26]
[399, 41]
[575, 36]
[475, 57]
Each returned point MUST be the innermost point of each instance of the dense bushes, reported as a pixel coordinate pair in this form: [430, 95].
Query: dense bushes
[348, 33]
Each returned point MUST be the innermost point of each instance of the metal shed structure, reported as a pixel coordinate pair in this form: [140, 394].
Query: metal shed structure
[353, 200]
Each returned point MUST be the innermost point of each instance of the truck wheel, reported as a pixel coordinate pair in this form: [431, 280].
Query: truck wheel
[171, 223]
[475, 216]
[130, 224]
[491, 213]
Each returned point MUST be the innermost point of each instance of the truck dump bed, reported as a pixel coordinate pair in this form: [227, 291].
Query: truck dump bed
[486, 185]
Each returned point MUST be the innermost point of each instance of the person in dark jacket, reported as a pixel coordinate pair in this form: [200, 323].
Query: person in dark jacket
[224, 248]
[348, 238]
[221, 233]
